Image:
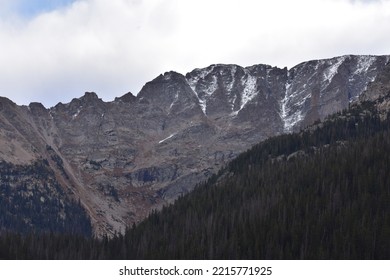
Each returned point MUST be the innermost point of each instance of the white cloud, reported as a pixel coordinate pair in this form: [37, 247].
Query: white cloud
[112, 47]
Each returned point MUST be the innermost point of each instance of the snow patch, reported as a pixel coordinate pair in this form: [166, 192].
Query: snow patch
[331, 71]
[77, 113]
[233, 74]
[291, 107]
[249, 83]
[234, 113]
[364, 63]
[174, 101]
[212, 88]
[203, 105]
[165, 139]
[208, 90]
[201, 75]
[364, 73]
[285, 100]
[232, 101]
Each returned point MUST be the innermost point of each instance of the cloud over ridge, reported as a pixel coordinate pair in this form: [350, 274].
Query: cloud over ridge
[113, 47]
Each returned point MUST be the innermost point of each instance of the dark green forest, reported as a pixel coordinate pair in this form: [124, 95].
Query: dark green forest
[31, 199]
[322, 193]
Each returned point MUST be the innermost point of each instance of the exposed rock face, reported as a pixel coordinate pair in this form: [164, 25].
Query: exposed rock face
[126, 157]
[379, 92]
[318, 88]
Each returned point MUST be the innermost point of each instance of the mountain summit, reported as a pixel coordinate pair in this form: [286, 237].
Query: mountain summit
[122, 159]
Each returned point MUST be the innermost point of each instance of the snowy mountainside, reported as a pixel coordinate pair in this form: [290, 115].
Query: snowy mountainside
[232, 85]
[311, 91]
[317, 88]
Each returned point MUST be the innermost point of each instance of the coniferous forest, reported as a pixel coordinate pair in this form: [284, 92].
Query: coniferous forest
[31, 199]
[322, 193]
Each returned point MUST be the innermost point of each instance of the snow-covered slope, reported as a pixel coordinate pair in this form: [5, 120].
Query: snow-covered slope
[228, 87]
[312, 89]
[317, 88]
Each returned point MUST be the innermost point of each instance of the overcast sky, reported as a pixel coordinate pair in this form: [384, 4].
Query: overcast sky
[54, 50]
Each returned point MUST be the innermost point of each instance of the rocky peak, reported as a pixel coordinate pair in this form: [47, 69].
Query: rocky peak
[127, 98]
[37, 108]
[89, 104]
[213, 87]
[170, 93]
[90, 96]
[5, 104]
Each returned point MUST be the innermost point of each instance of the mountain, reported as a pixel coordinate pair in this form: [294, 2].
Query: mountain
[121, 159]
[320, 193]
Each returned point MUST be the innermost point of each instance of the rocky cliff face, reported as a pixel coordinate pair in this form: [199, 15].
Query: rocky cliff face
[123, 158]
[379, 92]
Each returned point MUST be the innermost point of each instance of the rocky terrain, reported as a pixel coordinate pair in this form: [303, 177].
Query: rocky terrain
[121, 159]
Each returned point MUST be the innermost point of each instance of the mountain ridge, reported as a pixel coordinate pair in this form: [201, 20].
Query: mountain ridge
[321, 193]
[123, 158]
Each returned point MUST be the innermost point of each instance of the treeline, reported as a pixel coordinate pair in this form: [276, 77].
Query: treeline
[322, 193]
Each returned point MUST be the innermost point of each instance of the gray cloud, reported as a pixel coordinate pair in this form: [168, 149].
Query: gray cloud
[113, 47]
[366, 1]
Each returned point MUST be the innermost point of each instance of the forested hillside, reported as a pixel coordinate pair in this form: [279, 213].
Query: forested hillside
[32, 200]
[323, 193]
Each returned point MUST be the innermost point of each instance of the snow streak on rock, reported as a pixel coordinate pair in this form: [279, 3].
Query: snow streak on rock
[165, 139]
[77, 113]
[174, 101]
[250, 91]
[332, 70]
[291, 113]
[233, 71]
[209, 90]
[364, 63]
